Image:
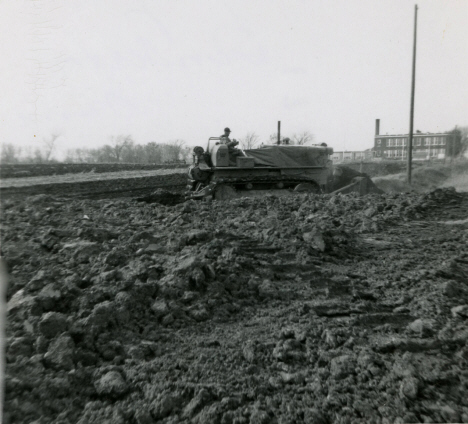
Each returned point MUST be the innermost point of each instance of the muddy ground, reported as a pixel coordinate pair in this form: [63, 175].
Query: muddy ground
[307, 308]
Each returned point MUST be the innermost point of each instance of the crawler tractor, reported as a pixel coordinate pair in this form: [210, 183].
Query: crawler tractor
[224, 172]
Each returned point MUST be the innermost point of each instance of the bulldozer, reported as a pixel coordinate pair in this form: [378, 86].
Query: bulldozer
[223, 172]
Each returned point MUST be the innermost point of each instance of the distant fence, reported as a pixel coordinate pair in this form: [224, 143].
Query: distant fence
[39, 170]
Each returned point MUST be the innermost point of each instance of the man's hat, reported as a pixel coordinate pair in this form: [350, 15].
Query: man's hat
[227, 129]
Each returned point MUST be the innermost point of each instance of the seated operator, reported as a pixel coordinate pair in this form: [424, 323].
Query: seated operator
[232, 150]
[225, 137]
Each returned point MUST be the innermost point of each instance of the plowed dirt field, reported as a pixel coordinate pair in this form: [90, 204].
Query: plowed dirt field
[292, 309]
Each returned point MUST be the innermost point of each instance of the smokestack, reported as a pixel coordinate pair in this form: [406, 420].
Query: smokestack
[279, 133]
[377, 126]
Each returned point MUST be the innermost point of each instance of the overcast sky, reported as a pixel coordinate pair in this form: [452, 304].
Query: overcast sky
[176, 69]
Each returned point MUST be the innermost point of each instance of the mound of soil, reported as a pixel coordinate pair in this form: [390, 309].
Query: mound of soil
[426, 178]
[306, 308]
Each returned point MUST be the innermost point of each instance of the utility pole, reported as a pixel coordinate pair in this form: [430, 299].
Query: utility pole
[410, 139]
[279, 133]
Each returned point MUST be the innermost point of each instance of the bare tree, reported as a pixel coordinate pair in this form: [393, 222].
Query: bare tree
[187, 153]
[71, 156]
[458, 142]
[464, 139]
[273, 138]
[10, 153]
[153, 152]
[249, 141]
[38, 156]
[48, 147]
[305, 137]
[81, 156]
[173, 150]
[118, 144]
[130, 153]
[106, 154]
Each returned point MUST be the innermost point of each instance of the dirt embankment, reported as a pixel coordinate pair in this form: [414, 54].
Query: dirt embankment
[36, 170]
[304, 309]
[427, 177]
[96, 186]
[376, 169]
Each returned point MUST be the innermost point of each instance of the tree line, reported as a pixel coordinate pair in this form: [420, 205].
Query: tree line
[251, 140]
[121, 149]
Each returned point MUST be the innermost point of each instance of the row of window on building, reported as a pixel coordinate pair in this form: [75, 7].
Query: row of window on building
[402, 153]
[419, 141]
[351, 156]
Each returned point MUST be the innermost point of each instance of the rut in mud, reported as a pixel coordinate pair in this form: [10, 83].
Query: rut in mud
[306, 308]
